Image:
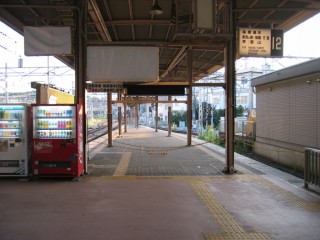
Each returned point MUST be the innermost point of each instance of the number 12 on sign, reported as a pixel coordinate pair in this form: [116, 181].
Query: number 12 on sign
[276, 43]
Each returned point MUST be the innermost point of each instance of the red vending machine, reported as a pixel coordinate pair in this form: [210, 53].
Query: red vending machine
[57, 140]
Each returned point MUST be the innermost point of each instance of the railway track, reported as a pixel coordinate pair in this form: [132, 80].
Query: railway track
[100, 130]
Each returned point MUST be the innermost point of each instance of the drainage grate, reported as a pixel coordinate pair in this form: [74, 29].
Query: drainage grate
[157, 153]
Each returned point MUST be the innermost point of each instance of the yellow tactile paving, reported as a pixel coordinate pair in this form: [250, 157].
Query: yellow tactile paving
[249, 176]
[306, 205]
[237, 236]
[229, 226]
[155, 177]
[128, 178]
[123, 165]
[111, 178]
[224, 219]
[193, 178]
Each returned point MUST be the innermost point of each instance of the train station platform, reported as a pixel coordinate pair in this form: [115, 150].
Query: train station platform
[151, 186]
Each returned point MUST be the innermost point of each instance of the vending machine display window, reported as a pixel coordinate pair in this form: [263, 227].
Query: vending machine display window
[14, 151]
[54, 122]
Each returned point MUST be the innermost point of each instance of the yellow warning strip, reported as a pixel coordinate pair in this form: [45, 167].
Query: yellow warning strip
[237, 236]
[231, 229]
[111, 178]
[306, 205]
[224, 219]
[123, 164]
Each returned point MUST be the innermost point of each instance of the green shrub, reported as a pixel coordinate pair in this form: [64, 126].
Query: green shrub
[240, 147]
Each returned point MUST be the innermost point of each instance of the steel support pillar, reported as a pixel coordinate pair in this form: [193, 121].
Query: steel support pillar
[80, 73]
[137, 113]
[156, 115]
[189, 100]
[169, 116]
[109, 102]
[230, 91]
[125, 113]
[146, 112]
[119, 116]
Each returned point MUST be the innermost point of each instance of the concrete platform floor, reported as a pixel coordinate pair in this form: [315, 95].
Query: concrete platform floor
[118, 201]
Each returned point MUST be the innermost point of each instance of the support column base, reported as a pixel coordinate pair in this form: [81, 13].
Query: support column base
[229, 170]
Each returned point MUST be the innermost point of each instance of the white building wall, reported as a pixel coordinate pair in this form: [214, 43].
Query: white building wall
[288, 112]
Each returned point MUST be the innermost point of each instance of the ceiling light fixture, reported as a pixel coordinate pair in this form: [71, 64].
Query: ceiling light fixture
[156, 9]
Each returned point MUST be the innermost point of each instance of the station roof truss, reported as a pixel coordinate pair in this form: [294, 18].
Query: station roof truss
[174, 32]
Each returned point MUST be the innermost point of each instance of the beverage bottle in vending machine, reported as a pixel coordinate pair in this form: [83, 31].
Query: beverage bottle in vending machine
[7, 115]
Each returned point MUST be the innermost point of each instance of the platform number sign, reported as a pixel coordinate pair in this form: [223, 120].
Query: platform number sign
[276, 43]
[260, 42]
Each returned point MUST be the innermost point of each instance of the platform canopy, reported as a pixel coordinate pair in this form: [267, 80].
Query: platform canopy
[183, 24]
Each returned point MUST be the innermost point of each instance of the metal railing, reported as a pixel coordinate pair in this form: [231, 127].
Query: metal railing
[312, 167]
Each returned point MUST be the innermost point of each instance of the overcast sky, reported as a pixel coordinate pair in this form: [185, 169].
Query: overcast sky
[302, 41]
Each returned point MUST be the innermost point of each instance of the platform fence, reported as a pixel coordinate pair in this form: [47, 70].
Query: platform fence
[312, 167]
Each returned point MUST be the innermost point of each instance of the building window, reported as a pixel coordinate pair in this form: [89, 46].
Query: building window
[242, 100]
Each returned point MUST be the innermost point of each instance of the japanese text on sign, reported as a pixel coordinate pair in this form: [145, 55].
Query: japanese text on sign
[260, 42]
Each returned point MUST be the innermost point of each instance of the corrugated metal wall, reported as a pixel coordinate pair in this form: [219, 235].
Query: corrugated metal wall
[289, 111]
